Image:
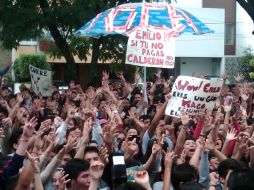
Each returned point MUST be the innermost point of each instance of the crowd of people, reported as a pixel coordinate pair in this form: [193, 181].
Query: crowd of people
[111, 137]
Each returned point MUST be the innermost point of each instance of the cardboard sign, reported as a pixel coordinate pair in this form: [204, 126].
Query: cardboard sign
[41, 81]
[151, 47]
[192, 95]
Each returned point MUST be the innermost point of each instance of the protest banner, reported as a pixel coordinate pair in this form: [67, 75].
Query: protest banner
[41, 81]
[150, 47]
[192, 95]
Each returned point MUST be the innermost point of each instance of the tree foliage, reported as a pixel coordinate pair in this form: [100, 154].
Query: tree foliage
[21, 66]
[246, 64]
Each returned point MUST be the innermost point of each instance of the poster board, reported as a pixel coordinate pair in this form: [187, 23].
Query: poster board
[41, 81]
[150, 47]
[192, 95]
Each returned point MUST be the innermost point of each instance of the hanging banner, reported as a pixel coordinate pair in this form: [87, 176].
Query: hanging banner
[192, 95]
[41, 81]
[150, 47]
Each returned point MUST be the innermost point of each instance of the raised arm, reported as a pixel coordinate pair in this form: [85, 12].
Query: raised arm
[185, 118]
[160, 109]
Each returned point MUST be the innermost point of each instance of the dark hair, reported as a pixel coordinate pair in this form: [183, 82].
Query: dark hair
[250, 120]
[189, 137]
[92, 141]
[90, 149]
[183, 173]
[226, 165]
[74, 167]
[144, 117]
[15, 135]
[191, 186]
[242, 179]
[129, 186]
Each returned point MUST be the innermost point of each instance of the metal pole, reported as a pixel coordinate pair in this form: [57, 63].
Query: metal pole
[145, 92]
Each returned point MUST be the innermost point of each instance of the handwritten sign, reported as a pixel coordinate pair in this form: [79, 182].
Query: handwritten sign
[41, 81]
[192, 95]
[151, 47]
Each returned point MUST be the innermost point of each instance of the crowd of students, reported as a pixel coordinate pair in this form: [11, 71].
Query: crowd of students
[69, 140]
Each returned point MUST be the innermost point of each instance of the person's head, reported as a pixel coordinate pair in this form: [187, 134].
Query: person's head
[102, 105]
[91, 154]
[213, 162]
[73, 94]
[132, 132]
[192, 185]
[56, 178]
[137, 98]
[128, 186]
[22, 115]
[68, 156]
[78, 171]
[181, 174]
[25, 92]
[219, 142]
[56, 96]
[189, 146]
[146, 119]
[15, 136]
[3, 113]
[5, 92]
[225, 167]
[242, 179]
[93, 143]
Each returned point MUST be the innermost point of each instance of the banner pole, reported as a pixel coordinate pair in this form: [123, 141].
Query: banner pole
[145, 92]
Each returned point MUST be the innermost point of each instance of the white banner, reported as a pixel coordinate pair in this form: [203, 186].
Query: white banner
[41, 81]
[150, 47]
[192, 95]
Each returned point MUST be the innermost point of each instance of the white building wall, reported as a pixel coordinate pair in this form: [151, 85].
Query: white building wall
[209, 66]
[244, 28]
[206, 45]
[188, 3]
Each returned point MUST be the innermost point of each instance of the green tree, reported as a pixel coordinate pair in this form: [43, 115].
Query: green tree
[21, 66]
[26, 19]
[246, 64]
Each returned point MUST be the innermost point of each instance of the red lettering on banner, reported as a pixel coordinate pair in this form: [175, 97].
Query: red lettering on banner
[209, 88]
[190, 104]
[144, 60]
[188, 87]
[133, 42]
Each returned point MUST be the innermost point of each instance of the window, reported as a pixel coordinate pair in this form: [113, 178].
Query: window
[229, 34]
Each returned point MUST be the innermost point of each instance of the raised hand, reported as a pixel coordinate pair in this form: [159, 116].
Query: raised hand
[142, 178]
[105, 75]
[239, 77]
[63, 180]
[96, 170]
[28, 128]
[120, 75]
[214, 178]
[155, 149]
[169, 159]
[185, 118]
[244, 96]
[104, 155]
[34, 163]
[71, 143]
[7, 122]
[231, 135]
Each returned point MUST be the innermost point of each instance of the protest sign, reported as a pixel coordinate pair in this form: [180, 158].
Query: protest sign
[41, 81]
[192, 95]
[150, 47]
